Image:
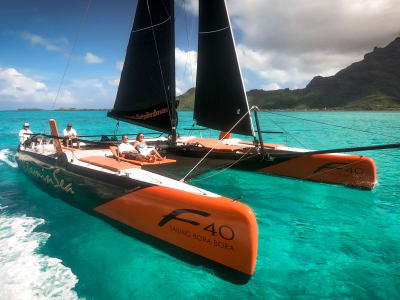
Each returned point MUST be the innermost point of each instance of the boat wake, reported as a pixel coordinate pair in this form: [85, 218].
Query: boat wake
[24, 273]
[8, 157]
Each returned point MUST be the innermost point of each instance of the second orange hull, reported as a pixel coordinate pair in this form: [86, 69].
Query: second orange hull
[352, 170]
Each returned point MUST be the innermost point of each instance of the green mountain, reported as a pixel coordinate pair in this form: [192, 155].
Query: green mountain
[370, 84]
[186, 100]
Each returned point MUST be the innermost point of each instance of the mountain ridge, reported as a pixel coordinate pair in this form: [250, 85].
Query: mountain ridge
[370, 84]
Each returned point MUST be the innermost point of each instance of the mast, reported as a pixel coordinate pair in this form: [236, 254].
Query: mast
[174, 113]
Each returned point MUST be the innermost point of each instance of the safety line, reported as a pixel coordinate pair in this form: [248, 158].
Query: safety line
[365, 131]
[70, 54]
[219, 141]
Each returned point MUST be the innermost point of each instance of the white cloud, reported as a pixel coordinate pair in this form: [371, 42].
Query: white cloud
[94, 86]
[292, 71]
[191, 6]
[113, 82]
[271, 86]
[90, 58]
[93, 92]
[186, 68]
[291, 41]
[119, 65]
[296, 40]
[38, 40]
[18, 88]
[16, 85]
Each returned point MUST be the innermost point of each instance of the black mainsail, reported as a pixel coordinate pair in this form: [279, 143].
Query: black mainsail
[146, 92]
[220, 100]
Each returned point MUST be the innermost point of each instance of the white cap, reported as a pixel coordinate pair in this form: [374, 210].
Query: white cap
[26, 125]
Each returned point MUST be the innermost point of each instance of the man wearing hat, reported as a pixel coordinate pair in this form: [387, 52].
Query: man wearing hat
[71, 135]
[24, 133]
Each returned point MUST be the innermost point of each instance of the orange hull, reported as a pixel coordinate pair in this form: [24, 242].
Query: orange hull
[217, 228]
[353, 170]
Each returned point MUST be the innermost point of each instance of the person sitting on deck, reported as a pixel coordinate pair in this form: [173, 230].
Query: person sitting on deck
[126, 150]
[141, 146]
[71, 136]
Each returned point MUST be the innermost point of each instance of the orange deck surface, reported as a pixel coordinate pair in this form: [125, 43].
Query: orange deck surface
[210, 143]
[273, 146]
[108, 163]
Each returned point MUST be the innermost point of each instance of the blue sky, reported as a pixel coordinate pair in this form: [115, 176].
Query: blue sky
[280, 44]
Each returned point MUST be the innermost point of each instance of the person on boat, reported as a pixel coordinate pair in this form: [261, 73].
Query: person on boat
[24, 134]
[141, 146]
[126, 150]
[70, 136]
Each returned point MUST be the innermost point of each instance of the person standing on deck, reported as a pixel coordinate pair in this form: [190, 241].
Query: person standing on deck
[24, 134]
[71, 136]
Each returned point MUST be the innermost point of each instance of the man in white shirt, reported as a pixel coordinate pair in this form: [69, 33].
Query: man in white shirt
[126, 150]
[24, 134]
[71, 135]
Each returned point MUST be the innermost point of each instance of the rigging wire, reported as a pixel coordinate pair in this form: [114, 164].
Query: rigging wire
[189, 35]
[72, 50]
[287, 133]
[116, 128]
[158, 58]
[224, 169]
[219, 141]
[339, 126]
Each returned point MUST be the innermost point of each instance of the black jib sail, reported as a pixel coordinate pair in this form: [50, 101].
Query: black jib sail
[146, 93]
[220, 99]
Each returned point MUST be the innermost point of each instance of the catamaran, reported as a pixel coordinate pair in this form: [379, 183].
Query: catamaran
[147, 195]
[215, 227]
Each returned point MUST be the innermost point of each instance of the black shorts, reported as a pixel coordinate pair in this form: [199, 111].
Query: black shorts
[135, 156]
[131, 155]
[73, 140]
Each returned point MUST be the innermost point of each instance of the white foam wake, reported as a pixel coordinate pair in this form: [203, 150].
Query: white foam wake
[7, 157]
[25, 274]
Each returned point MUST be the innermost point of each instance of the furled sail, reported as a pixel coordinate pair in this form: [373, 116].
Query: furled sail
[220, 99]
[146, 93]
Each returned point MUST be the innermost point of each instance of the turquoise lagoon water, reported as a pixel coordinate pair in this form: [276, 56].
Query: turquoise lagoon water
[315, 240]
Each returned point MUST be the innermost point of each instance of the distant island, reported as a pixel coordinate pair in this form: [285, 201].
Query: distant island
[76, 109]
[25, 109]
[370, 84]
[66, 109]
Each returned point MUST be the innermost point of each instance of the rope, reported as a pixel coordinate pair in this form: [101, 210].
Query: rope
[116, 128]
[219, 141]
[224, 169]
[72, 50]
[159, 61]
[287, 133]
[188, 38]
[339, 126]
